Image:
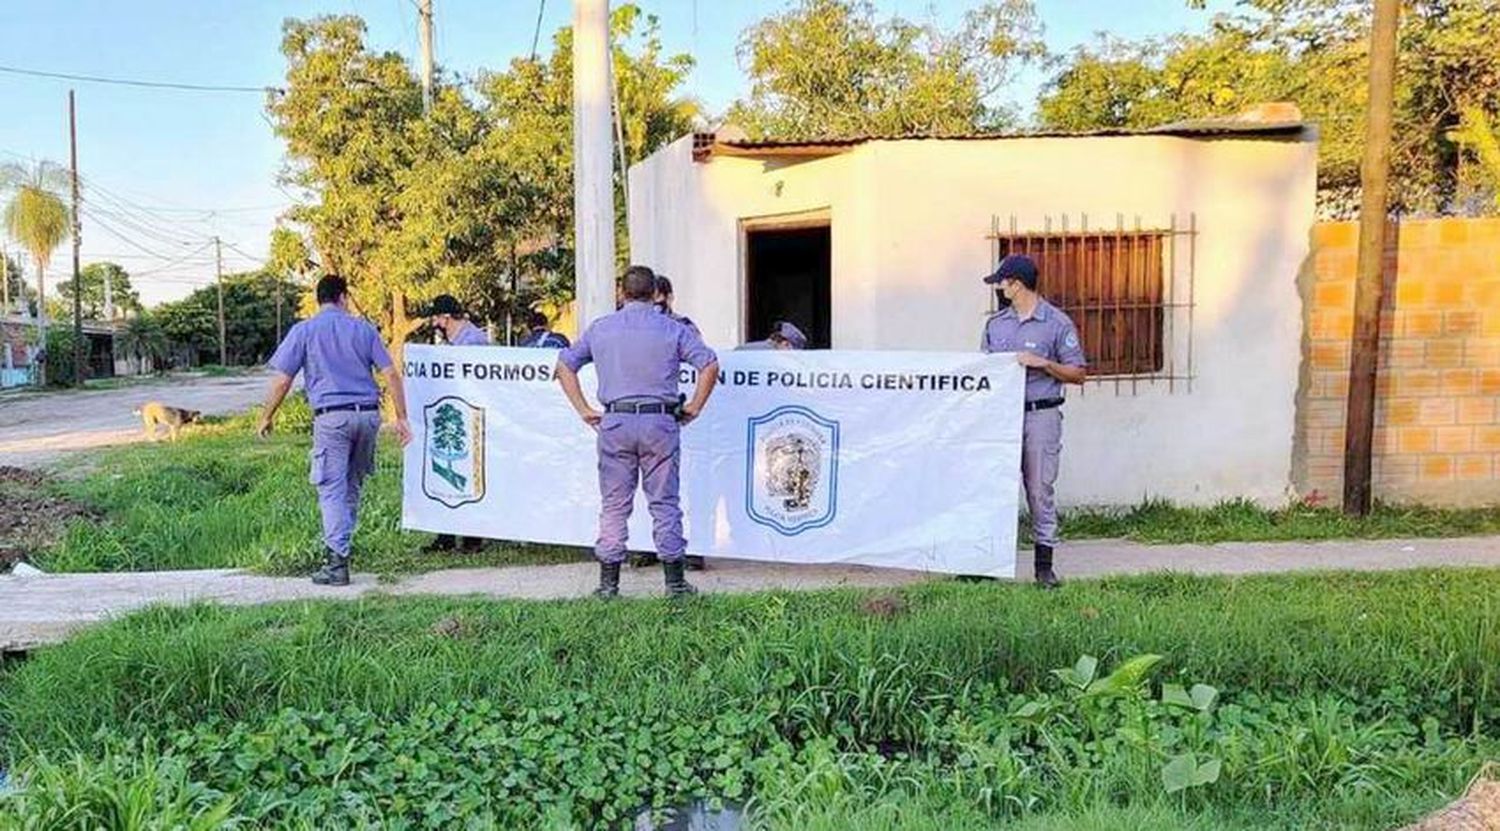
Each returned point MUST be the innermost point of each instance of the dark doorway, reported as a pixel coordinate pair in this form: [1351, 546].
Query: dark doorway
[788, 276]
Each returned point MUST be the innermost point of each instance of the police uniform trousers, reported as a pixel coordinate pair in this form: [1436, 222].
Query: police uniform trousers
[639, 449]
[1041, 450]
[343, 454]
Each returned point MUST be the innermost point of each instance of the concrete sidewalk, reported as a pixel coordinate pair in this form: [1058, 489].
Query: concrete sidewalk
[44, 609]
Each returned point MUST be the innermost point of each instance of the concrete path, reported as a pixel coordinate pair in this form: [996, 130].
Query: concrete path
[39, 428]
[44, 609]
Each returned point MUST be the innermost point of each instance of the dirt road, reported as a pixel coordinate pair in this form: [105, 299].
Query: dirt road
[38, 429]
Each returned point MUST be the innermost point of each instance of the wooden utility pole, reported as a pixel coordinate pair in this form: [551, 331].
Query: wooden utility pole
[1369, 286]
[219, 272]
[424, 10]
[80, 347]
[593, 163]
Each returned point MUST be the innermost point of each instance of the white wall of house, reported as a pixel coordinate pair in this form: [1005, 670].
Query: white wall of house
[909, 223]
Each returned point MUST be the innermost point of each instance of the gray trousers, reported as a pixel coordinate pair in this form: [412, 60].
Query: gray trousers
[1041, 448]
[343, 454]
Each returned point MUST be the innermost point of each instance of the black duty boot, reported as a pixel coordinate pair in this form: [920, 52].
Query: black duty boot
[609, 581]
[335, 572]
[677, 585]
[643, 560]
[695, 563]
[1045, 576]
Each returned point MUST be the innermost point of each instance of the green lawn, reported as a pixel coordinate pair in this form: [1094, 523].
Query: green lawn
[1343, 701]
[223, 498]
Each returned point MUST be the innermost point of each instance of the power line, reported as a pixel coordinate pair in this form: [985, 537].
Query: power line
[536, 34]
[131, 82]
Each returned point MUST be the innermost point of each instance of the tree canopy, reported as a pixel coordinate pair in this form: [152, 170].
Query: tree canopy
[830, 68]
[1313, 53]
[93, 276]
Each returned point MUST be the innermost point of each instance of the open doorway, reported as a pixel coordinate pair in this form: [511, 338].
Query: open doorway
[789, 276]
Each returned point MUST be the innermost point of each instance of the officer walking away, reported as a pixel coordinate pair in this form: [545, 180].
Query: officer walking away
[541, 335]
[336, 353]
[448, 316]
[637, 352]
[1046, 343]
[663, 300]
[784, 335]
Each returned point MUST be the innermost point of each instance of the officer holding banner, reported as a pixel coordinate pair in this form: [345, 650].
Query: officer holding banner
[449, 317]
[1046, 343]
[637, 352]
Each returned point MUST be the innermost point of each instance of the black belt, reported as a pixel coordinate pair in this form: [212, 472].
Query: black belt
[642, 407]
[1043, 404]
[346, 408]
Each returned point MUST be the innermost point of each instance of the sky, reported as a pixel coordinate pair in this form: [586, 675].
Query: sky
[165, 171]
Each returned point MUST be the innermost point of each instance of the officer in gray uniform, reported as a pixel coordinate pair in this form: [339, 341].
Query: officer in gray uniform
[1046, 343]
[448, 316]
[336, 352]
[638, 353]
[784, 335]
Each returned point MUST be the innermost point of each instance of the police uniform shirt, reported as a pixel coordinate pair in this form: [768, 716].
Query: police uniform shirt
[1048, 333]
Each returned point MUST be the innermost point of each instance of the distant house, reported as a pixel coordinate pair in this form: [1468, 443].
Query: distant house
[1177, 250]
[20, 348]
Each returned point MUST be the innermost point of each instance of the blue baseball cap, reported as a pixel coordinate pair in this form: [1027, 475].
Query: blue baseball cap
[1015, 267]
[791, 334]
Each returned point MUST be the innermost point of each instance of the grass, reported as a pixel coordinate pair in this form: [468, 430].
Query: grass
[249, 506]
[1159, 522]
[1348, 701]
[223, 498]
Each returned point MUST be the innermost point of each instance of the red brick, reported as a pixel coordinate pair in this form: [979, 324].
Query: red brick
[1421, 324]
[1330, 356]
[1437, 412]
[1401, 412]
[1489, 382]
[1417, 440]
[1459, 382]
[1405, 354]
[1484, 294]
[1445, 353]
[1490, 328]
[1447, 293]
[1410, 293]
[1475, 466]
[1453, 439]
[1335, 235]
[1476, 411]
[1461, 322]
[1482, 352]
[1333, 296]
[1437, 468]
[1418, 383]
[1487, 439]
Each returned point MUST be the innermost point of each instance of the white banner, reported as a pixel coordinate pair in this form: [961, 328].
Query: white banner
[898, 459]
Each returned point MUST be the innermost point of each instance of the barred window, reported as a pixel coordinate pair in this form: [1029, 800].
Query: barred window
[1117, 286]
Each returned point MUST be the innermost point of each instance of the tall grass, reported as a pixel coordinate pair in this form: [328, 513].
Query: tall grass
[1390, 641]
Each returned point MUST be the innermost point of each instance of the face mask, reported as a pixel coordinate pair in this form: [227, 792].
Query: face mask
[661, 305]
[1001, 301]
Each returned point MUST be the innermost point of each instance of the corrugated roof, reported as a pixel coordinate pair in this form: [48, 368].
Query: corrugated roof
[816, 147]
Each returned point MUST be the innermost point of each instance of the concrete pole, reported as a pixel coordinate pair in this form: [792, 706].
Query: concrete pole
[81, 348]
[593, 163]
[424, 11]
[219, 281]
[1369, 285]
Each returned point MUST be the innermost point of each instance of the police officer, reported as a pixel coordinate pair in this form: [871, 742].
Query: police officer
[663, 301]
[542, 336]
[448, 316]
[336, 352]
[637, 352]
[1046, 343]
[784, 335]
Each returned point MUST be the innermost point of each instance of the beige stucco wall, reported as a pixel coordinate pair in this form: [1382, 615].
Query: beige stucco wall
[909, 224]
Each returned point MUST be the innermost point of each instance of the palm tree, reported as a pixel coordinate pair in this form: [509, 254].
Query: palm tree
[38, 219]
[143, 339]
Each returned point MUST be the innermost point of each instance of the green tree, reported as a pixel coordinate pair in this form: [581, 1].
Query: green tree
[1313, 53]
[37, 218]
[830, 68]
[449, 444]
[1478, 135]
[191, 325]
[93, 276]
[21, 295]
[143, 340]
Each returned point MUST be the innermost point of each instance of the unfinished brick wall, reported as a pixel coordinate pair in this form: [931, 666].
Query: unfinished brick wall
[1437, 409]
